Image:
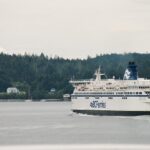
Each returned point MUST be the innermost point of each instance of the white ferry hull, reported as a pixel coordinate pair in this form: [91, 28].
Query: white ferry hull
[116, 106]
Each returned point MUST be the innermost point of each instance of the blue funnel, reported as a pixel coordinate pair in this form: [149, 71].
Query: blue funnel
[131, 72]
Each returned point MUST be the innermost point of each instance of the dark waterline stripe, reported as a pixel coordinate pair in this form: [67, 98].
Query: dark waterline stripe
[112, 113]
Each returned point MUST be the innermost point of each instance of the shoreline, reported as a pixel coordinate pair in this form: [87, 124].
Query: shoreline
[30, 100]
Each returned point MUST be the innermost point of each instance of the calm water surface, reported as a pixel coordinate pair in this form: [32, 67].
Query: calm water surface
[54, 123]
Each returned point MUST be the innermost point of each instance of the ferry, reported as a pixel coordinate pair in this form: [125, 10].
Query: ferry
[129, 96]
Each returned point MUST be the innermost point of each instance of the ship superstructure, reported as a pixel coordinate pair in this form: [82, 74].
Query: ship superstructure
[130, 96]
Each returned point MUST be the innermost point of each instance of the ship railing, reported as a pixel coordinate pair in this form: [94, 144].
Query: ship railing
[81, 81]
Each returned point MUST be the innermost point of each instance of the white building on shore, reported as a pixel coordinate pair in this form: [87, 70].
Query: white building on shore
[12, 90]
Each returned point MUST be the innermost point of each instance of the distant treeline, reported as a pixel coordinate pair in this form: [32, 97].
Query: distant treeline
[37, 75]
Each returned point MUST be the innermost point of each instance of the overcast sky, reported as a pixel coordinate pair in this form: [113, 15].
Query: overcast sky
[74, 28]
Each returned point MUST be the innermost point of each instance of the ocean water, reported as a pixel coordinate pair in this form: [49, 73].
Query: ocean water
[53, 123]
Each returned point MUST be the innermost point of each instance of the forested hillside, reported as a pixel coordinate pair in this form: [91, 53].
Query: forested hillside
[38, 74]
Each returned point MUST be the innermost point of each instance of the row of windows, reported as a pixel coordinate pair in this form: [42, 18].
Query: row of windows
[99, 97]
[96, 93]
[118, 93]
[124, 97]
[147, 92]
[144, 87]
[112, 93]
[123, 87]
